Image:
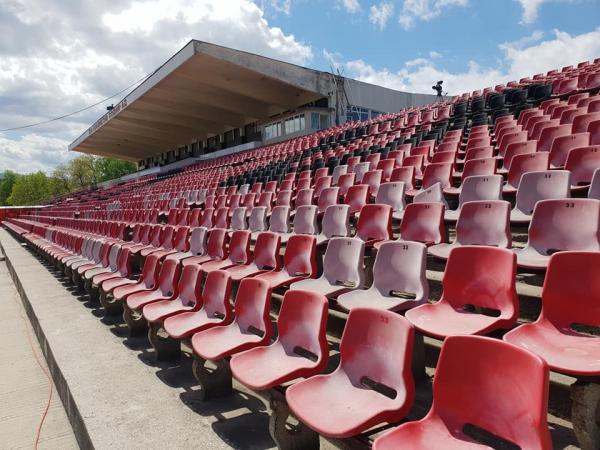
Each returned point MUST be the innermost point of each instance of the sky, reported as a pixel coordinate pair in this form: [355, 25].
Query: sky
[58, 57]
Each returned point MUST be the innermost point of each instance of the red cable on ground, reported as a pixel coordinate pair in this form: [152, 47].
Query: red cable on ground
[44, 370]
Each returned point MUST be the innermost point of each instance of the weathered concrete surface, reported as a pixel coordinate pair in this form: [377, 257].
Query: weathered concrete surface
[24, 387]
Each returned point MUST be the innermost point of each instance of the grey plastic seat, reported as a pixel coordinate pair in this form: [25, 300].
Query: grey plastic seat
[433, 194]
[536, 186]
[280, 220]
[305, 220]
[336, 223]
[244, 189]
[360, 169]
[342, 268]
[399, 279]
[392, 193]
[338, 171]
[529, 162]
[481, 187]
[257, 221]
[558, 225]
[481, 222]
[198, 245]
[594, 191]
[238, 219]
[113, 266]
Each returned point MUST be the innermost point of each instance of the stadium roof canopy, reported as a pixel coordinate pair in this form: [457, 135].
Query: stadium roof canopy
[203, 90]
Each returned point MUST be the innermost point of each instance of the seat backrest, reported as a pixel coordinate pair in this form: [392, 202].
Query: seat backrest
[198, 239]
[222, 218]
[280, 219]
[484, 222]
[302, 324]
[360, 169]
[479, 166]
[336, 221]
[149, 276]
[239, 246]
[594, 191]
[155, 235]
[356, 197]
[304, 197]
[124, 262]
[328, 197]
[423, 222]
[258, 219]
[561, 146]
[343, 262]
[169, 274]
[345, 182]
[400, 268]
[405, 175]
[518, 148]
[549, 134]
[322, 183]
[536, 186]
[530, 162]
[582, 162]
[207, 218]
[433, 194]
[488, 187]
[571, 289]
[194, 217]
[570, 224]
[338, 171]
[462, 397]
[392, 193]
[582, 121]
[374, 222]
[437, 173]
[238, 219]
[216, 245]
[266, 251]
[299, 258]
[305, 220]
[249, 200]
[167, 235]
[216, 294]
[113, 257]
[252, 307]
[284, 198]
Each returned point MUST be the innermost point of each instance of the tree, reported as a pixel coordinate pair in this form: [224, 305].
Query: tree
[109, 169]
[62, 178]
[31, 189]
[82, 171]
[6, 185]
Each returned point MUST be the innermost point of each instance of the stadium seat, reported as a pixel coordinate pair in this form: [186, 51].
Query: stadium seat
[305, 222]
[479, 294]
[239, 253]
[582, 162]
[521, 164]
[356, 197]
[123, 270]
[342, 268]
[215, 308]
[434, 173]
[300, 349]
[399, 279]
[514, 149]
[120, 289]
[374, 223]
[372, 384]
[423, 222]
[280, 220]
[481, 222]
[265, 257]
[434, 194]
[336, 223]
[166, 289]
[299, 262]
[560, 225]
[392, 193]
[239, 219]
[561, 146]
[257, 221]
[536, 186]
[216, 248]
[471, 398]
[482, 187]
[549, 134]
[327, 198]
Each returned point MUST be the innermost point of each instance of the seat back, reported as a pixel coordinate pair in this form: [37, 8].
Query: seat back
[305, 220]
[258, 219]
[194, 217]
[462, 397]
[266, 251]
[399, 268]
[222, 218]
[166, 238]
[548, 135]
[531, 162]
[149, 276]
[582, 162]
[216, 294]
[345, 182]
[343, 262]
[374, 222]
[198, 239]
[423, 222]
[169, 274]
[238, 219]
[518, 148]
[155, 235]
[322, 183]
[113, 257]
[216, 244]
[299, 258]
[594, 191]
[280, 220]
[338, 171]
[392, 193]
[571, 224]
[239, 246]
[536, 186]
[484, 222]
[304, 197]
[207, 218]
[437, 173]
[488, 187]
[360, 170]
[356, 197]
[373, 179]
[571, 287]
[302, 324]
[336, 221]
[284, 198]
[328, 197]
[561, 146]
[405, 175]
[252, 307]
[483, 277]
[124, 262]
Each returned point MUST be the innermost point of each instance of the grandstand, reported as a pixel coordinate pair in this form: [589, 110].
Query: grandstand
[425, 278]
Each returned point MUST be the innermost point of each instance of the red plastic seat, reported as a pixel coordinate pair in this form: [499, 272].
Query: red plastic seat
[356, 197]
[372, 384]
[121, 288]
[474, 376]
[215, 310]
[250, 328]
[561, 146]
[549, 134]
[521, 164]
[423, 222]
[373, 179]
[435, 173]
[265, 257]
[569, 296]
[327, 198]
[304, 197]
[165, 290]
[559, 225]
[374, 223]
[299, 262]
[300, 349]
[476, 278]
[582, 162]
[239, 252]
[188, 297]
[216, 248]
[123, 269]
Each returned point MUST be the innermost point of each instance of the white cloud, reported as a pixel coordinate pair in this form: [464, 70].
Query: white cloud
[530, 10]
[413, 10]
[351, 6]
[435, 55]
[284, 6]
[380, 14]
[519, 60]
[57, 57]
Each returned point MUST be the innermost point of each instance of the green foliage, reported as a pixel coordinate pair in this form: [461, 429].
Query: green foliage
[77, 174]
[6, 184]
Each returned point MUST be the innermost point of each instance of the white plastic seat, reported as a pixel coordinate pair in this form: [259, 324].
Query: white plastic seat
[536, 186]
[336, 223]
[392, 193]
[433, 194]
[481, 187]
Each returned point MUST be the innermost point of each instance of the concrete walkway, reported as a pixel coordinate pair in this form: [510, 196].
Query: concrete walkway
[24, 387]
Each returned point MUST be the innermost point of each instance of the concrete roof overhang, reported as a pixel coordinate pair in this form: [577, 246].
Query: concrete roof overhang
[201, 91]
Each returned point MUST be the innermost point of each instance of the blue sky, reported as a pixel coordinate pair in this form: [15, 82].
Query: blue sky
[58, 57]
